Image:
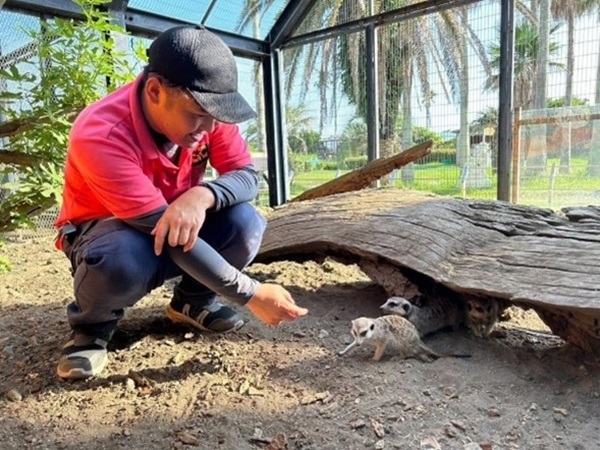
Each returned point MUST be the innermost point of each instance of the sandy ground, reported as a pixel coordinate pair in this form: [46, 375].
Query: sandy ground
[280, 387]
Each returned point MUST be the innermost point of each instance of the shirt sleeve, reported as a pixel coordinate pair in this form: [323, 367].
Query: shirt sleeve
[204, 264]
[237, 186]
[115, 176]
[227, 149]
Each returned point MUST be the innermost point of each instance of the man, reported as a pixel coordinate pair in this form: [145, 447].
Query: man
[136, 211]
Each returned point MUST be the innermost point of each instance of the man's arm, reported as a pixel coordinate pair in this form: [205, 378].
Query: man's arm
[203, 263]
[231, 188]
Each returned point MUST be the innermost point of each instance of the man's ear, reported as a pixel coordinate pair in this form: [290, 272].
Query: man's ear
[153, 88]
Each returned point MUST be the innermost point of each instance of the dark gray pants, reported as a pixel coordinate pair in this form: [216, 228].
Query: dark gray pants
[114, 265]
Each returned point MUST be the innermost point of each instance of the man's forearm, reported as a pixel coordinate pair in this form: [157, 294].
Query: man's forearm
[234, 187]
[204, 264]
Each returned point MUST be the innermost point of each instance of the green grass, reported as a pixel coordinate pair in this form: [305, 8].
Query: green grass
[574, 188]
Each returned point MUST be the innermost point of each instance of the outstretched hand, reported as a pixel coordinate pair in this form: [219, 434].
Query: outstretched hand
[273, 304]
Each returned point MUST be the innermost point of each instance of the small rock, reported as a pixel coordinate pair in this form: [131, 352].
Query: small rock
[449, 430]
[323, 334]
[187, 438]
[299, 334]
[358, 423]
[380, 444]
[258, 433]
[129, 384]
[493, 412]
[256, 392]
[471, 446]
[427, 393]
[533, 407]
[279, 442]
[430, 443]
[244, 387]
[562, 411]
[377, 428]
[486, 446]
[459, 424]
[188, 335]
[450, 392]
[14, 396]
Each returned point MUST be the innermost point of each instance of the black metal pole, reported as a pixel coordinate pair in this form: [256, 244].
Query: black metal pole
[372, 93]
[274, 128]
[505, 106]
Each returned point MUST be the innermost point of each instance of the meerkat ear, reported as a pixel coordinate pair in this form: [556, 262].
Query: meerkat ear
[406, 307]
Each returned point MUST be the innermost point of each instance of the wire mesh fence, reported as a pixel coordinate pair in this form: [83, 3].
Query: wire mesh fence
[437, 79]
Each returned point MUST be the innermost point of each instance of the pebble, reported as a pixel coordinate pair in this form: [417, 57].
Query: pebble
[14, 396]
[430, 443]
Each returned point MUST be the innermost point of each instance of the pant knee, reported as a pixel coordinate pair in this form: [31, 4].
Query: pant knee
[236, 233]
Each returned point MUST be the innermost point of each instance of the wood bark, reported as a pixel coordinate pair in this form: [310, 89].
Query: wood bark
[531, 257]
[363, 177]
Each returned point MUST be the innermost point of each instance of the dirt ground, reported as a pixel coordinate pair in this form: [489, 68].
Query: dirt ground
[280, 387]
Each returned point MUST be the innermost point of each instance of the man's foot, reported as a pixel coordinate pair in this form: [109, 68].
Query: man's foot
[216, 317]
[82, 357]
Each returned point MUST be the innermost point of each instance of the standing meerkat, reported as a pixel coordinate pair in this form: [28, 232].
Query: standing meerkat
[393, 331]
[436, 314]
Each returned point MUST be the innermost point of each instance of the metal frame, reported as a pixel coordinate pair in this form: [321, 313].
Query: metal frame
[505, 95]
[140, 22]
[268, 53]
[395, 16]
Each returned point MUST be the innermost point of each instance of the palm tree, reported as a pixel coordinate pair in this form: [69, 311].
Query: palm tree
[525, 63]
[253, 11]
[526, 69]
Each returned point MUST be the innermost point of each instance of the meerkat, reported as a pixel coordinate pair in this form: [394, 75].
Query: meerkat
[393, 331]
[484, 314]
[436, 314]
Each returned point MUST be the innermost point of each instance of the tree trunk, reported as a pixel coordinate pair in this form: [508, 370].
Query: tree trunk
[407, 173]
[565, 151]
[593, 169]
[463, 139]
[537, 156]
[525, 255]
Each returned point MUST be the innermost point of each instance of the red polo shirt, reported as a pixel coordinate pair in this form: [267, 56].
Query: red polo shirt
[115, 169]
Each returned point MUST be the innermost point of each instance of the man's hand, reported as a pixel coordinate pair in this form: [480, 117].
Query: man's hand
[272, 304]
[182, 220]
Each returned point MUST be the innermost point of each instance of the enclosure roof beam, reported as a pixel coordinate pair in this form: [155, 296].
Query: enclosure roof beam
[289, 21]
[139, 22]
[397, 15]
[144, 23]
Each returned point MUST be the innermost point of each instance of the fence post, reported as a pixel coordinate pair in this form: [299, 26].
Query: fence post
[516, 160]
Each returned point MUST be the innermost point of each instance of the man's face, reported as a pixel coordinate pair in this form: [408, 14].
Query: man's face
[177, 115]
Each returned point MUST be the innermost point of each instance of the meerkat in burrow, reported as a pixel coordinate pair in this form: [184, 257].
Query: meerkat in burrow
[437, 314]
[483, 315]
[392, 331]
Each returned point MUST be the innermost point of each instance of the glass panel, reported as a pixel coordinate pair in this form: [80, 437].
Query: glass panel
[326, 133]
[184, 10]
[251, 18]
[328, 13]
[435, 72]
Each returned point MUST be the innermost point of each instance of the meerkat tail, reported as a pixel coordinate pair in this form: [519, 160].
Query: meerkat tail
[347, 349]
[430, 352]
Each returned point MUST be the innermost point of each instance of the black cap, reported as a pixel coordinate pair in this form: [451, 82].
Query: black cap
[194, 58]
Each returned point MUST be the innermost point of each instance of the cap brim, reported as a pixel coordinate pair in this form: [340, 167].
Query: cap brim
[228, 108]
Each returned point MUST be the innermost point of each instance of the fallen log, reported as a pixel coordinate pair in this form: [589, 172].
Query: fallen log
[363, 177]
[529, 256]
